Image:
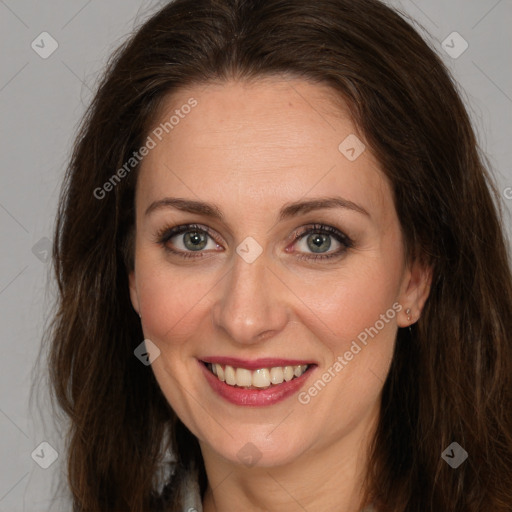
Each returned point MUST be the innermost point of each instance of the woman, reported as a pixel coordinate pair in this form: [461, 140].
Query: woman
[283, 278]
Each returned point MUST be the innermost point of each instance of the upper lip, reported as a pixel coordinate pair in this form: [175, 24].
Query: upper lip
[255, 364]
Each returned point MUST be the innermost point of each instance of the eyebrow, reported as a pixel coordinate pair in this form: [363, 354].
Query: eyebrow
[287, 211]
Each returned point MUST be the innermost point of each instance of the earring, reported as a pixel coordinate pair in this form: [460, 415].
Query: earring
[408, 311]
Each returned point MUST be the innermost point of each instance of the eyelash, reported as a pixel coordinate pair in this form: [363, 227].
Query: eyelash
[166, 233]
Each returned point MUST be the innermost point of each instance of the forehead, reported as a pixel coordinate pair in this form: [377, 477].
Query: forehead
[270, 140]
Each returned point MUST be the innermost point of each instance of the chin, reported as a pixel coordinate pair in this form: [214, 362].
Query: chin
[256, 448]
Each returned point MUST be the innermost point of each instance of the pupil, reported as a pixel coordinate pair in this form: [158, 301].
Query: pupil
[320, 242]
[195, 241]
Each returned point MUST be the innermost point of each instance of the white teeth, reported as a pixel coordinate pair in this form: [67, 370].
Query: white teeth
[229, 373]
[243, 377]
[276, 375]
[261, 378]
[288, 373]
[299, 370]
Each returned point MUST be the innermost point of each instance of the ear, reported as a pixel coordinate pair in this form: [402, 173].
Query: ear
[133, 292]
[414, 292]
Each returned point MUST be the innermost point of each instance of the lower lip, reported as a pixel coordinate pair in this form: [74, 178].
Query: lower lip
[255, 397]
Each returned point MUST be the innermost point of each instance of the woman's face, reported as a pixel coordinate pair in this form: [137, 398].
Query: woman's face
[303, 264]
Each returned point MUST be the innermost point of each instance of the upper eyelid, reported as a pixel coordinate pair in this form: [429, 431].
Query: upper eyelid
[171, 232]
[296, 235]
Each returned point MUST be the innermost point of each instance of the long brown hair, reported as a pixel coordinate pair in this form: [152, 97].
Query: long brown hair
[451, 376]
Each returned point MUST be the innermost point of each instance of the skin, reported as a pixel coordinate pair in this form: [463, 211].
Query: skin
[251, 148]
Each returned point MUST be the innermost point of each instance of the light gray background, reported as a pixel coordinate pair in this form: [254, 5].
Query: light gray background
[41, 102]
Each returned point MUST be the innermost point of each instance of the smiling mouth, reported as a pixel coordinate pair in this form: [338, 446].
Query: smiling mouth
[262, 378]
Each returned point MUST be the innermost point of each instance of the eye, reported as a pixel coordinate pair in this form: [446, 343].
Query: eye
[314, 241]
[318, 240]
[187, 240]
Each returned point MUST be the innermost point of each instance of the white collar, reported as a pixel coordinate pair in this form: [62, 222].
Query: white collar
[191, 494]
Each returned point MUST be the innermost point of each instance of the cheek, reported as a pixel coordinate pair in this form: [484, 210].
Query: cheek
[358, 311]
[170, 301]
[354, 299]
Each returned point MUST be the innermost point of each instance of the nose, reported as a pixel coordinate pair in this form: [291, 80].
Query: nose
[251, 306]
